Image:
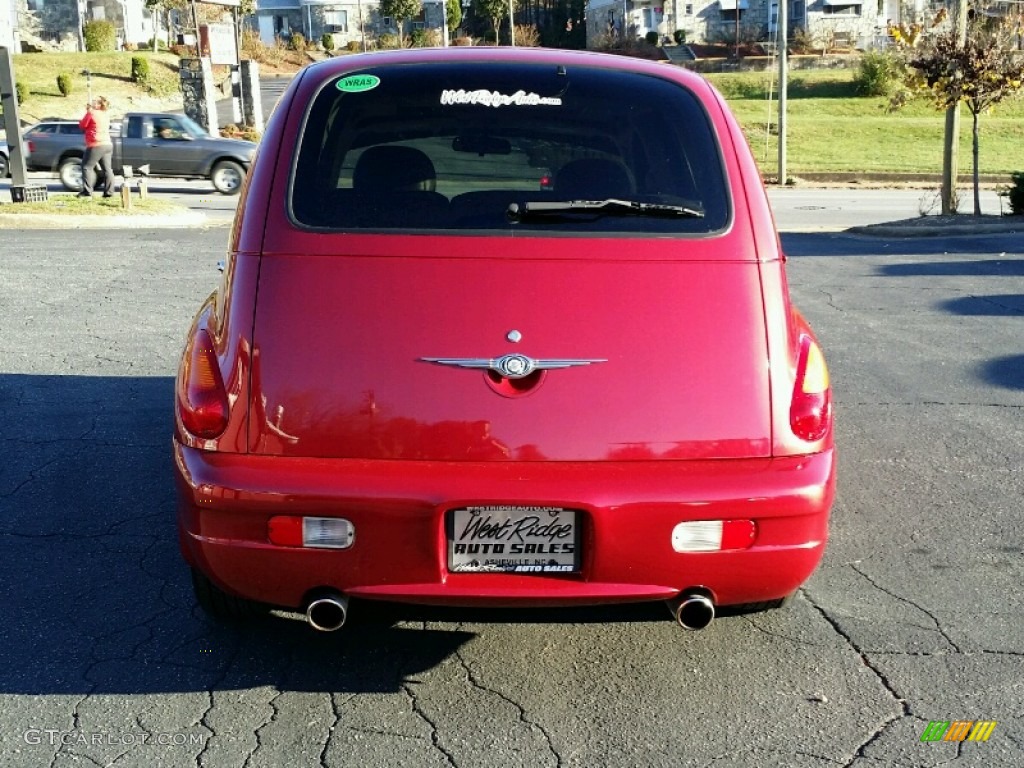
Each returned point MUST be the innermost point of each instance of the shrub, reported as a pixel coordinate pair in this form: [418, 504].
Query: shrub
[1015, 193]
[418, 38]
[651, 37]
[387, 41]
[140, 70]
[527, 36]
[878, 74]
[353, 46]
[465, 40]
[253, 47]
[232, 131]
[100, 36]
[297, 42]
[21, 91]
[679, 36]
[327, 41]
[64, 84]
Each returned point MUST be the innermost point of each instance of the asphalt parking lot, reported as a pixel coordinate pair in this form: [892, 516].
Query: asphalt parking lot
[913, 618]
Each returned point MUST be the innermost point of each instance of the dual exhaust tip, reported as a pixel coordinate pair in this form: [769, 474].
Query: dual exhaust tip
[692, 610]
[328, 611]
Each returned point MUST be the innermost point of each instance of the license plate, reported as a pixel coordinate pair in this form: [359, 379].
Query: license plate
[513, 539]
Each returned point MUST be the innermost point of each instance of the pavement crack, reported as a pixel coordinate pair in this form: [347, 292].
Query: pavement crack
[336, 711]
[31, 478]
[831, 299]
[882, 678]
[435, 737]
[519, 707]
[908, 601]
[203, 719]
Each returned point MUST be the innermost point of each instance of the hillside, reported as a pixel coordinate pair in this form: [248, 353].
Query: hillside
[110, 76]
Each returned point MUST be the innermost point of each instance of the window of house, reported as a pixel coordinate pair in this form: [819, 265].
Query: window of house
[336, 21]
[842, 10]
[729, 9]
[688, 9]
[388, 22]
[797, 11]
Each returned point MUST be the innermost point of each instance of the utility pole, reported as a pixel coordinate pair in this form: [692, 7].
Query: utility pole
[783, 24]
[951, 139]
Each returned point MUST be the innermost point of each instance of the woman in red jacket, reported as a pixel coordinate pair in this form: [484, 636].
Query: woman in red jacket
[99, 148]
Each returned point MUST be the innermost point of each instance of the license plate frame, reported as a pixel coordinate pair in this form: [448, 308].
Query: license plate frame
[513, 538]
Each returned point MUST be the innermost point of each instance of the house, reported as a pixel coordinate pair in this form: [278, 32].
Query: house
[828, 23]
[348, 21]
[59, 21]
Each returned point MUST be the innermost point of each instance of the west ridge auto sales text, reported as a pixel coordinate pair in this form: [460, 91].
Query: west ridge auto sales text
[563, 548]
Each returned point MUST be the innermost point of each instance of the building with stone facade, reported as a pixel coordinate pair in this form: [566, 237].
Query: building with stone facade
[826, 23]
[60, 20]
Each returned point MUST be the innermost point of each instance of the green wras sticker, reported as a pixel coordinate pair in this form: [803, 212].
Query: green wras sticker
[358, 83]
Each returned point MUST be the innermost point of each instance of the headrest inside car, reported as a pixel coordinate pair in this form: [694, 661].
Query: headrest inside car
[394, 169]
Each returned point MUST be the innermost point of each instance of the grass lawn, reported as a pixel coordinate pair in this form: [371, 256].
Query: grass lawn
[111, 77]
[70, 204]
[830, 128]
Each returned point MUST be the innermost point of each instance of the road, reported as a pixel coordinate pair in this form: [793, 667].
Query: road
[914, 615]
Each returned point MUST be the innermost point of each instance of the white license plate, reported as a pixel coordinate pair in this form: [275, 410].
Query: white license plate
[513, 539]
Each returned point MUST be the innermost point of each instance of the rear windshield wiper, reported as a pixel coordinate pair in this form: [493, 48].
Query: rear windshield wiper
[609, 207]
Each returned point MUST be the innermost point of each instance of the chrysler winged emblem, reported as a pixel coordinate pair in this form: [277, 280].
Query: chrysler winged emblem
[514, 366]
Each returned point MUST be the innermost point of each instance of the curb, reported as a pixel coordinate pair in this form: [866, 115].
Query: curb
[891, 230]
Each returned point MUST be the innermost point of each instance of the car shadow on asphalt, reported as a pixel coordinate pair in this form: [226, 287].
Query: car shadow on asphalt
[97, 598]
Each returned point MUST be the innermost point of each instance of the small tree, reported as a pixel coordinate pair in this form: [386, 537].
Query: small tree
[980, 72]
[100, 36]
[140, 70]
[64, 84]
[401, 11]
[495, 10]
[453, 9]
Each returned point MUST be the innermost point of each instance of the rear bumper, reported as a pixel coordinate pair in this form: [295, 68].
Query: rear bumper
[398, 509]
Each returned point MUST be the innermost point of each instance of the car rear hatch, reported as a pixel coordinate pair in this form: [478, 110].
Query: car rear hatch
[373, 357]
[400, 300]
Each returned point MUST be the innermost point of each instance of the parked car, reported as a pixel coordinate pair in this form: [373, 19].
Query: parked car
[166, 145]
[428, 379]
[5, 160]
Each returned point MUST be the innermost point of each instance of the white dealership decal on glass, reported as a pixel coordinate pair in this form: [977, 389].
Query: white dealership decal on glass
[495, 99]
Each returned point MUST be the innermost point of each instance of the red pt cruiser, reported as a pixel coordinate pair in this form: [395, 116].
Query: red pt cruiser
[502, 327]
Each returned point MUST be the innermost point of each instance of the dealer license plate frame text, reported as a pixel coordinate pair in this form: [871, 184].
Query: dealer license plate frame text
[513, 538]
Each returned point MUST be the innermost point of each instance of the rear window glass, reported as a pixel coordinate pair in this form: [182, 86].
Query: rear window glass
[498, 146]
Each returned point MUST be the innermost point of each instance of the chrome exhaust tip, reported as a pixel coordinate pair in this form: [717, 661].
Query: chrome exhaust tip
[692, 610]
[327, 612]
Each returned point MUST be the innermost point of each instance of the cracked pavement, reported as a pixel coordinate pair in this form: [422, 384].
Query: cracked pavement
[914, 615]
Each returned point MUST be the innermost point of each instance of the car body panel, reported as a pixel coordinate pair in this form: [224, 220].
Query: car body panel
[398, 511]
[683, 374]
[336, 349]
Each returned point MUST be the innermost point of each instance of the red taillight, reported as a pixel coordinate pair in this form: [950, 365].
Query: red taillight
[30, 146]
[810, 414]
[204, 409]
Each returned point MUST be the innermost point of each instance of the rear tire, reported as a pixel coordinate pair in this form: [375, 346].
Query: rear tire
[219, 604]
[227, 176]
[70, 172]
[4, 167]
